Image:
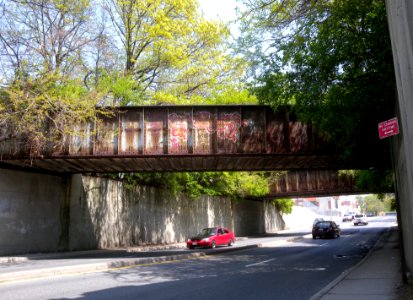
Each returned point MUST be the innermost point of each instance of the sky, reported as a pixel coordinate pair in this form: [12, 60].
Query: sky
[223, 10]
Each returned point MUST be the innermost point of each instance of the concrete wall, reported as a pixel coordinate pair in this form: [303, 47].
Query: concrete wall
[44, 213]
[31, 212]
[273, 220]
[249, 217]
[106, 214]
[400, 16]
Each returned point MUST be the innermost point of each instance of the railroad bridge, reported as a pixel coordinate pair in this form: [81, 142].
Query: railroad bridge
[184, 138]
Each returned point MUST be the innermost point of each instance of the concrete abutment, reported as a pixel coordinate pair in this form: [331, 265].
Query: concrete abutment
[47, 213]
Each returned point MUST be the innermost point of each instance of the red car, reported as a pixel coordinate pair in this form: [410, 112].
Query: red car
[211, 237]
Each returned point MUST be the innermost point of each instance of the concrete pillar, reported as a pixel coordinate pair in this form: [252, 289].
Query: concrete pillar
[400, 17]
[33, 217]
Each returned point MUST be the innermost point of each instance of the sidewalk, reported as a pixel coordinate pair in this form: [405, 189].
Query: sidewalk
[376, 277]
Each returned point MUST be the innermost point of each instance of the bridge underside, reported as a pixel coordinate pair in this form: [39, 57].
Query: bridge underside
[125, 164]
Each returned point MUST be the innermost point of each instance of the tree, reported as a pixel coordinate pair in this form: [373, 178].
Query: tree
[375, 180]
[171, 51]
[376, 204]
[42, 112]
[331, 61]
[169, 54]
[42, 46]
[42, 37]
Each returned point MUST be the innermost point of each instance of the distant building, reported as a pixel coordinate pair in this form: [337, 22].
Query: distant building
[329, 206]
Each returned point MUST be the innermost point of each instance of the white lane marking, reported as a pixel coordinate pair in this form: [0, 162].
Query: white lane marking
[310, 269]
[323, 244]
[260, 263]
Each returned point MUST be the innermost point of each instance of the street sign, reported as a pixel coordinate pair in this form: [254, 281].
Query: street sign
[388, 128]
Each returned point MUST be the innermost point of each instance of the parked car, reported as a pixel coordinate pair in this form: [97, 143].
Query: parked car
[211, 237]
[326, 229]
[360, 219]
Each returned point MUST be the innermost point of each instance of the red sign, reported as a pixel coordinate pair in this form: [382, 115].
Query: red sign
[388, 128]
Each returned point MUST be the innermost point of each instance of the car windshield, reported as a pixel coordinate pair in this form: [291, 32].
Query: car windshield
[208, 231]
[359, 216]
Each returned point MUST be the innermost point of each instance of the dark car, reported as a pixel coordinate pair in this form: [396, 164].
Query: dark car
[211, 237]
[326, 229]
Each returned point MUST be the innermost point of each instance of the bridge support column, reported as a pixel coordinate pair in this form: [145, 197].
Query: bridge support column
[400, 17]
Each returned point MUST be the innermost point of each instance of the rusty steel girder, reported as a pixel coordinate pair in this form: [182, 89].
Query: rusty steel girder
[182, 138]
[313, 183]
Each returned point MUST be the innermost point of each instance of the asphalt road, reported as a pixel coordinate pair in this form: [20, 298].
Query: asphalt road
[293, 270]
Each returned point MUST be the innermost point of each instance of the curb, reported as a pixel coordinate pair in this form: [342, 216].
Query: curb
[121, 263]
[336, 281]
[89, 268]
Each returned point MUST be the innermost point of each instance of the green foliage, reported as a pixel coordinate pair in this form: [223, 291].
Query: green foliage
[171, 50]
[235, 185]
[330, 60]
[123, 90]
[131, 52]
[379, 181]
[376, 204]
[231, 96]
[218, 96]
[42, 110]
[284, 205]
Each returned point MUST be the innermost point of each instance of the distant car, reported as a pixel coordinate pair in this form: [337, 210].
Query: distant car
[211, 237]
[316, 220]
[349, 216]
[326, 229]
[360, 219]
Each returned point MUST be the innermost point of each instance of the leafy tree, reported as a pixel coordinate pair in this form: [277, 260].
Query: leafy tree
[41, 111]
[331, 61]
[284, 205]
[63, 64]
[375, 181]
[376, 204]
[174, 54]
[42, 47]
[43, 37]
